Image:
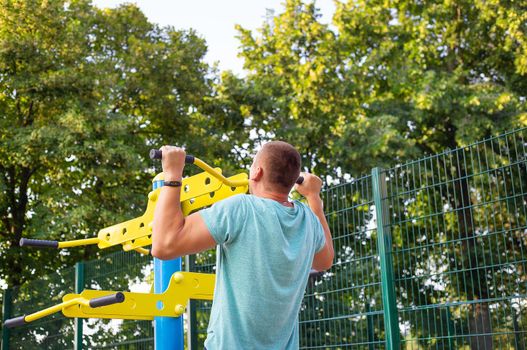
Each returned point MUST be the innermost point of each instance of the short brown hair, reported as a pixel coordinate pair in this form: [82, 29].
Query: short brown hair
[281, 164]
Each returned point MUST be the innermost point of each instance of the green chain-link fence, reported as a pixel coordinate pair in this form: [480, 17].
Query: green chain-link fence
[430, 254]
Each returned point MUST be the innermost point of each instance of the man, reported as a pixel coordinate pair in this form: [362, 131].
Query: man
[266, 247]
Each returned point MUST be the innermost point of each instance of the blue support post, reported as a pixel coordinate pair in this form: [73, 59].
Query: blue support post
[168, 331]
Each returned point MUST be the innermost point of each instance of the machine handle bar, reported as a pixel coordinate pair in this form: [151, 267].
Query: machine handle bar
[95, 302]
[40, 243]
[189, 159]
[158, 154]
[107, 300]
[15, 322]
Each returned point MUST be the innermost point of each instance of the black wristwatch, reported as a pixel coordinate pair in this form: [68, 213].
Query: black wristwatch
[172, 183]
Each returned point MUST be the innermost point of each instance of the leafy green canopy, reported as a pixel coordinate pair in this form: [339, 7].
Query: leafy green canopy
[84, 93]
[385, 82]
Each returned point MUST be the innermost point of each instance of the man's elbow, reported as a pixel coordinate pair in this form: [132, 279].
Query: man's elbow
[160, 253]
[323, 264]
[163, 250]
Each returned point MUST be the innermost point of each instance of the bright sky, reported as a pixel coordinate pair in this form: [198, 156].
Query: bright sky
[214, 20]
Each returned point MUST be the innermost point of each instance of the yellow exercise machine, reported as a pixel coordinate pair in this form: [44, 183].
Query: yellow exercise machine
[197, 192]
[127, 305]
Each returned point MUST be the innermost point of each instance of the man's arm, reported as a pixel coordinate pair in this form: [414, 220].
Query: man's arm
[310, 189]
[173, 235]
[324, 258]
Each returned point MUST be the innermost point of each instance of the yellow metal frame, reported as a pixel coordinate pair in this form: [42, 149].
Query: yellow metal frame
[197, 192]
[145, 306]
[137, 306]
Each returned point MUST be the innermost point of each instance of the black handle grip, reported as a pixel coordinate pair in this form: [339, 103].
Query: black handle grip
[39, 243]
[300, 180]
[157, 154]
[107, 300]
[15, 322]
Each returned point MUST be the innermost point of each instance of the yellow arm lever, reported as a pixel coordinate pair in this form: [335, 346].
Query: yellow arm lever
[145, 306]
[207, 168]
[99, 301]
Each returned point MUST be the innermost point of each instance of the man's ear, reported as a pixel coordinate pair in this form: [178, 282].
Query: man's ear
[257, 174]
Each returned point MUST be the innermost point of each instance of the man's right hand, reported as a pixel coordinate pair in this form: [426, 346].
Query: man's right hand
[310, 187]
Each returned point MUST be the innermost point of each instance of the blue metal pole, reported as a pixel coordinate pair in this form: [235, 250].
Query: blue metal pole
[168, 331]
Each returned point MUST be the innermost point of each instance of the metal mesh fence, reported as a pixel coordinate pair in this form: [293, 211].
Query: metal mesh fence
[204, 262]
[458, 221]
[342, 308]
[456, 229]
[55, 332]
[126, 271]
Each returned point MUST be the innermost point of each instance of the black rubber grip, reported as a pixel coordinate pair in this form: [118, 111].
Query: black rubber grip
[107, 300]
[300, 180]
[15, 322]
[40, 243]
[157, 154]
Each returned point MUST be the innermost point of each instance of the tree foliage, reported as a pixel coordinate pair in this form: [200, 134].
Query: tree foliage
[84, 93]
[385, 82]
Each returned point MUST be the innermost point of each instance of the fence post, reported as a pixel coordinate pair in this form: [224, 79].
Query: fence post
[79, 287]
[384, 243]
[6, 314]
[518, 343]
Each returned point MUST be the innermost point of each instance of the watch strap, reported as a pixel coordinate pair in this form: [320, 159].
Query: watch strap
[172, 183]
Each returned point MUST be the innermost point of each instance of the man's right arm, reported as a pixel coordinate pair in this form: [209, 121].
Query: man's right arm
[310, 189]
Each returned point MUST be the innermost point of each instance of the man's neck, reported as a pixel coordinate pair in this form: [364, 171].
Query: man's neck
[279, 197]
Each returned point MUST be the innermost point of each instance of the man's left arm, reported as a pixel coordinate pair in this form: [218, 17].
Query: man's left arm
[174, 235]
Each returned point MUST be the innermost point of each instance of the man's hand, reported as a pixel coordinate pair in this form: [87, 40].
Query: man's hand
[174, 235]
[173, 162]
[310, 187]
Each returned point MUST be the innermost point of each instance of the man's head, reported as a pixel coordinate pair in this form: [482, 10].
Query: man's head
[275, 168]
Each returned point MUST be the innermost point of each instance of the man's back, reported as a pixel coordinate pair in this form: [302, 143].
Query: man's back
[263, 261]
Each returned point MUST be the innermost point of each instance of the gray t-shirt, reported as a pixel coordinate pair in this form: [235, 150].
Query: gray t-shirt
[264, 255]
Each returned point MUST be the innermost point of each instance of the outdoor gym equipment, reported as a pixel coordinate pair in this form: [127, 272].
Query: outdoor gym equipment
[172, 288]
[197, 191]
[127, 305]
[106, 299]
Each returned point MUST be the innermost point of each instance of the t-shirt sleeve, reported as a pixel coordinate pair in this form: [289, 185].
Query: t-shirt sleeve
[320, 236]
[224, 219]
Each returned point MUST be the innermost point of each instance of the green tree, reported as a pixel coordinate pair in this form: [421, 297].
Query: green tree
[84, 93]
[387, 82]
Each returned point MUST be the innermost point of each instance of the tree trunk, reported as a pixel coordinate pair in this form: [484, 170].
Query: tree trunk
[17, 181]
[474, 276]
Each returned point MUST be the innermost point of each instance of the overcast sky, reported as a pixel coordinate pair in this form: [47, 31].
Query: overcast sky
[214, 20]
